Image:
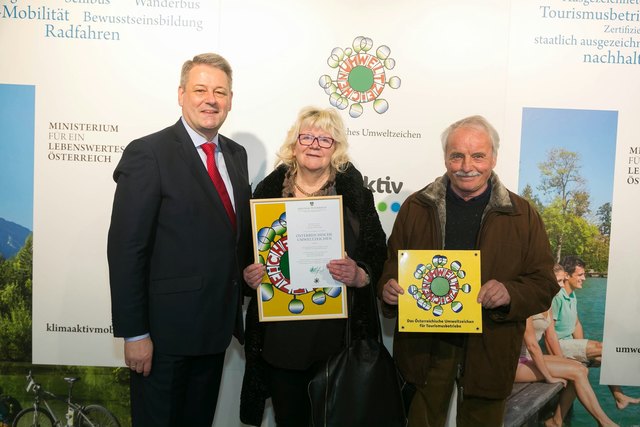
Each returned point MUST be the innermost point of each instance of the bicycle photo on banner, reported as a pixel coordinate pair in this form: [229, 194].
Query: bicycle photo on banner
[40, 414]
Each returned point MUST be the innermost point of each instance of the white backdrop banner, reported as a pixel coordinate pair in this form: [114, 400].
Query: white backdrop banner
[106, 72]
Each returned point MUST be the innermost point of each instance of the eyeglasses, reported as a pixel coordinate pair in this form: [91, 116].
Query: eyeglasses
[323, 141]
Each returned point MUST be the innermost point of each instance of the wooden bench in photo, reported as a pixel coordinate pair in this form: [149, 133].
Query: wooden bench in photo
[526, 401]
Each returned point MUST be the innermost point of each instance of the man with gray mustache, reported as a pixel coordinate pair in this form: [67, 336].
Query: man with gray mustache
[468, 208]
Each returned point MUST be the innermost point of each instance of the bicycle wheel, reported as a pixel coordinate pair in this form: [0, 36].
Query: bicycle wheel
[28, 417]
[97, 416]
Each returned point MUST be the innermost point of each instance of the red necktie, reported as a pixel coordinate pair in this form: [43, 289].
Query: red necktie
[210, 148]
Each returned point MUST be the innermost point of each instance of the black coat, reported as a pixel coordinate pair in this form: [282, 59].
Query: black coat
[175, 263]
[367, 247]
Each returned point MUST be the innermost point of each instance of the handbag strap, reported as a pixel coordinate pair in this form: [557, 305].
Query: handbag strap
[373, 315]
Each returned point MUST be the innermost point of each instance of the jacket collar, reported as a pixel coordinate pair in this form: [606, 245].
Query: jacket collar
[435, 194]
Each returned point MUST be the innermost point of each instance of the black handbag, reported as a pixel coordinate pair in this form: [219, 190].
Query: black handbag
[360, 386]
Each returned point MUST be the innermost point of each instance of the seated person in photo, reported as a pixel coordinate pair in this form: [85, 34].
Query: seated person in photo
[566, 323]
[535, 366]
[572, 343]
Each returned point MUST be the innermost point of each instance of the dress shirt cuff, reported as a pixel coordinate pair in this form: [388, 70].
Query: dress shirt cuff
[138, 338]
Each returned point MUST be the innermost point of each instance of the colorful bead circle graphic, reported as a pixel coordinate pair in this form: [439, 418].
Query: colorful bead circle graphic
[273, 240]
[361, 77]
[439, 285]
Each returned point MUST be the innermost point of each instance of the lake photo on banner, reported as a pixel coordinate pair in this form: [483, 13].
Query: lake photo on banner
[591, 303]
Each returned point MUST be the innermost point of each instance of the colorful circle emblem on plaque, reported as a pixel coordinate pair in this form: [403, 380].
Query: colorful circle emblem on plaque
[439, 285]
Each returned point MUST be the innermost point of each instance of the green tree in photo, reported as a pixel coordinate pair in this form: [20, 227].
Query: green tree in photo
[565, 207]
[561, 180]
[604, 216]
[528, 194]
[15, 325]
[15, 305]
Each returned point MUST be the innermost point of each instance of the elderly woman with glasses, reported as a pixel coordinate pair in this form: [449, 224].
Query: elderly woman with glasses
[282, 357]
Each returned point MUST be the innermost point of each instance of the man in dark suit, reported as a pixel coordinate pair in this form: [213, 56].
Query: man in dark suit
[177, 247]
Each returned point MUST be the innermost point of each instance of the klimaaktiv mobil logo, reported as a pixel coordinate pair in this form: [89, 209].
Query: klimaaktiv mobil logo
[385, 186]
[360, 77]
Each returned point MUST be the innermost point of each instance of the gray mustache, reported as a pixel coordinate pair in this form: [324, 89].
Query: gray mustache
[466, 174]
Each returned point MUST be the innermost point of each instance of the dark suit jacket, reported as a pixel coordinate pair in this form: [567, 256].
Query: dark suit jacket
[175, 264]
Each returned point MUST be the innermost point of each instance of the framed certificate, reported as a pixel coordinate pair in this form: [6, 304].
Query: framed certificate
[440, 291]
[295, 238]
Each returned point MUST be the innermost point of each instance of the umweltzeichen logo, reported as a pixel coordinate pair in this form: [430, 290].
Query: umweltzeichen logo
[361, 77]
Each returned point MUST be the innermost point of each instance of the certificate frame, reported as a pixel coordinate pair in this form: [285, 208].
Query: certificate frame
[295, 238]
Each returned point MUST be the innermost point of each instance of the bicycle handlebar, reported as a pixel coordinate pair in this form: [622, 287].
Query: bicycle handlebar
[36, 388]
[31, 385]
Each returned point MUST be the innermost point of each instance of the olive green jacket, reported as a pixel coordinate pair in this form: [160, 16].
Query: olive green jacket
[514, 250]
